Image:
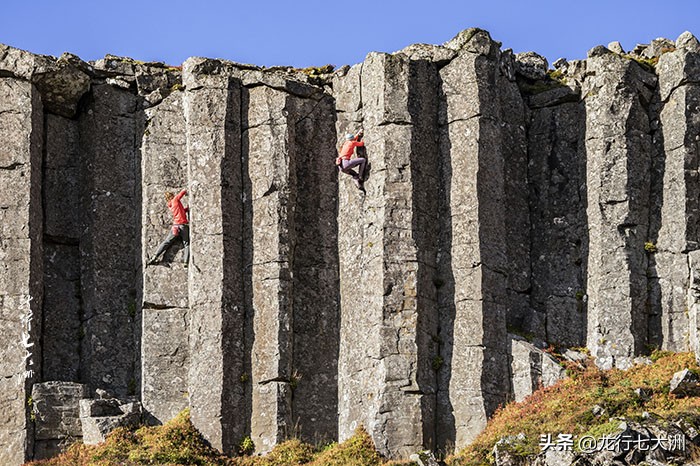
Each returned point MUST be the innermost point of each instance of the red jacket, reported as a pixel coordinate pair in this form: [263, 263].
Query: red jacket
[349, 147]
[179, 212]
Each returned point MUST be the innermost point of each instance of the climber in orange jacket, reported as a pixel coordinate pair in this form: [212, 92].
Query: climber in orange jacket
[345, 162]
[180, 228]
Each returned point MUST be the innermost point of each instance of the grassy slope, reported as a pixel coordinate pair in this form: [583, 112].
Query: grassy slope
[562, 408]
[566, 407]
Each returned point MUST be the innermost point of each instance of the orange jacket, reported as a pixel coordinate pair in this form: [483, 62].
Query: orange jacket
[179, 212]
[349, 146]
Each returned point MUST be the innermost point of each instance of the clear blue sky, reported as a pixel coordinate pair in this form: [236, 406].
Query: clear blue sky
[314, 32]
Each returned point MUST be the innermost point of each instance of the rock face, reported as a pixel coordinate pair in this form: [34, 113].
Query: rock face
[503, 199]
[21, 139]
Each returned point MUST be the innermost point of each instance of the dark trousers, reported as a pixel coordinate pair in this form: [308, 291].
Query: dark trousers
[347, 166]
[183, 233]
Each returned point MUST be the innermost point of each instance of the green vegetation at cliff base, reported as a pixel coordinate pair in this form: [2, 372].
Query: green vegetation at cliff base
[177, 442]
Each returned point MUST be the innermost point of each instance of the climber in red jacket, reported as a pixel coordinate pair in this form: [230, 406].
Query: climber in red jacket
[345, 162]
[180, 228]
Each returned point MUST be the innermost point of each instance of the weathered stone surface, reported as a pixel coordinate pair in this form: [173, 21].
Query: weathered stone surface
[109, 247]
[473, 40]
[156, 82]
[100, 417]
[433, 53]
[164, 334]
[62, 312]
[21, 262]
[316, 319]
[658, 47]
[688, 41]
[457, 238]
[62, 179]
[272, 157]
[531, 65]
[164, 361]
[218, 401]
[618, 162]
[531, 368]
[685, 383]
[560, 63]
[61, 82]
[556, 174]
[100, 407]
[511, 129]
[553, 97]
[62, 230]
[386, 243]
[616, 47]
[57, 415]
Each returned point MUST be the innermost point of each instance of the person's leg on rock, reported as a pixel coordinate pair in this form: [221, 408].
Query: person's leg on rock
[167, 242]
[185, 235]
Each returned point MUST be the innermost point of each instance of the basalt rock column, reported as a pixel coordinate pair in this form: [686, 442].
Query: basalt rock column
[556, 174]
[679, 87]
[474, 378]
[212, 105]
[316, 322]
[164, 351]
[21, 262]
[387, 249]
[271, 157]
[62, 229]
[109, 244]
[287, 135]
[618, 153]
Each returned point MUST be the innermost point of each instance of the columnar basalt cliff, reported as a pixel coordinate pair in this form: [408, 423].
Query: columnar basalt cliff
[504, 198]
